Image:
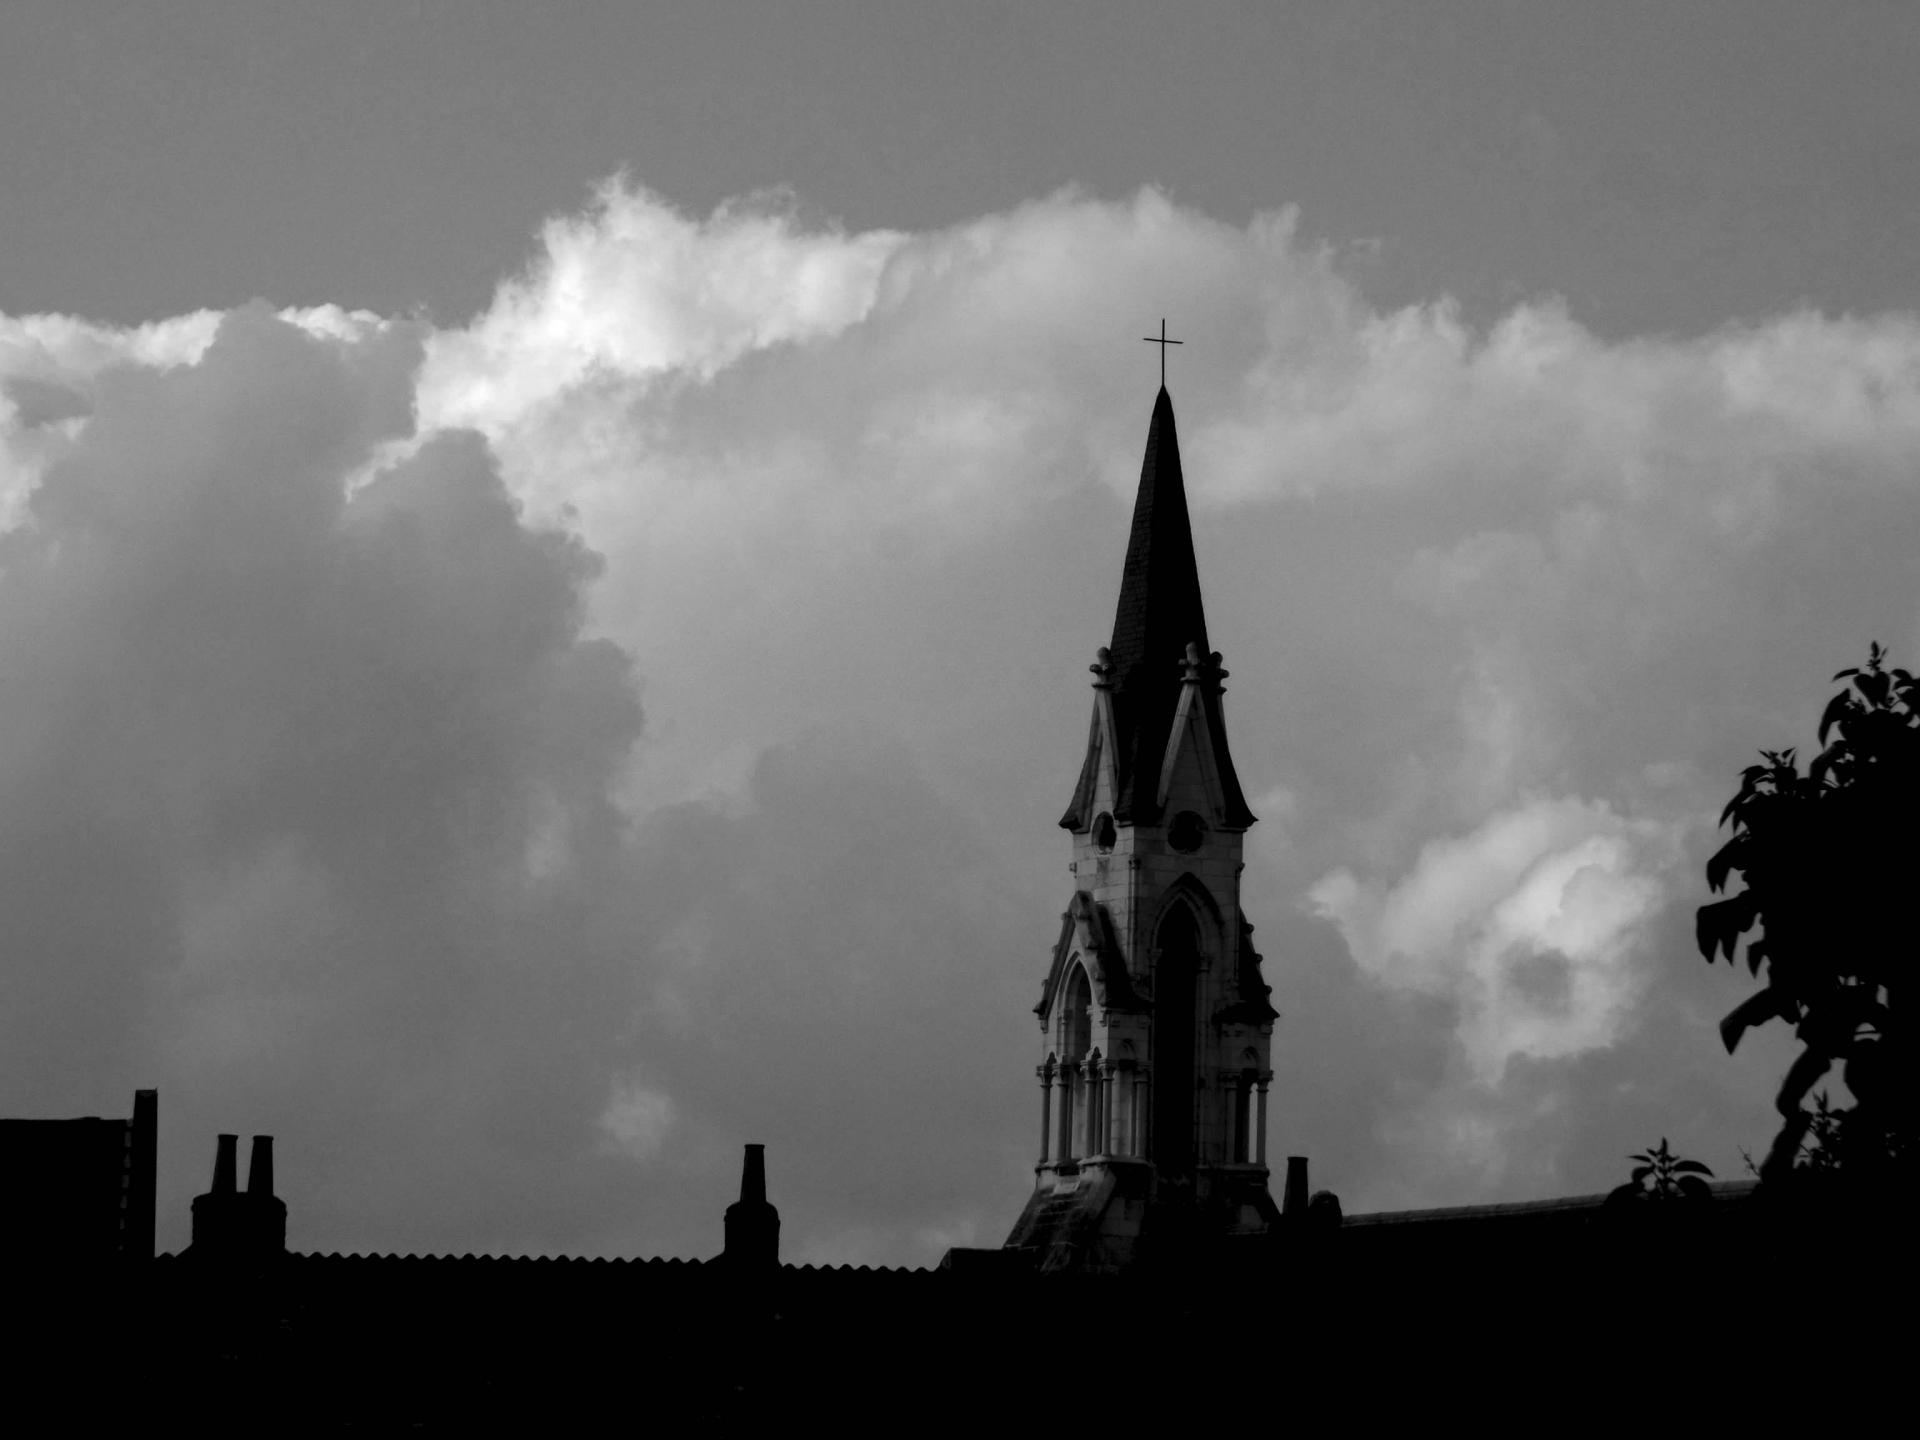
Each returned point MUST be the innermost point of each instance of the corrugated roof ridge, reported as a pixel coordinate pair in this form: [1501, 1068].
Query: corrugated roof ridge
[1722, 1190]
[471, 1258]
[851, 1269]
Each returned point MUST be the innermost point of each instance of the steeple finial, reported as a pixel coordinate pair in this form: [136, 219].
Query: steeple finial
[1162, 341]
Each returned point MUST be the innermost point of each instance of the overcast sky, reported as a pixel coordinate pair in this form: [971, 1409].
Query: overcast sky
[551, 561]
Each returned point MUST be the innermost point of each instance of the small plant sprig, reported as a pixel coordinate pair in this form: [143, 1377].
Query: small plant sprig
[1659, 1174]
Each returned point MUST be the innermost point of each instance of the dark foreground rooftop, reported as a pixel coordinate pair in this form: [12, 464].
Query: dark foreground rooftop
[1327, 1328]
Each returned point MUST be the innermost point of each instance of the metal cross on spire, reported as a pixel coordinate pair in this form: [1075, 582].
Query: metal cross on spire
[1162, 341]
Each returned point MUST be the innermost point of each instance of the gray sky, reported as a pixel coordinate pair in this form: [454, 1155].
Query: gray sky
[583, 672]
[1662, 166]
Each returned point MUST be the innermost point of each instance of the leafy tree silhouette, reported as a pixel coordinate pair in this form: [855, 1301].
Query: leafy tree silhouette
[1828, 858]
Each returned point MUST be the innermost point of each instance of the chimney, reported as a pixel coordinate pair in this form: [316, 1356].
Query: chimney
[267, 1214]
[1293, 1200]
[230, 1227]
[260, 1167]
[225, 1164]
[753, 1176]
[144, 1134]
[752, 1225]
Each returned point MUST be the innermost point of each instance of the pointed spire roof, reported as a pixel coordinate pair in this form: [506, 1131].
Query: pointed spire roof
[1158, 616]
[1160, 609]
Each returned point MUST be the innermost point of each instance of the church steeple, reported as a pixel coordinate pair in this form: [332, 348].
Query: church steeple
[1157, 1025]
[1159, 615]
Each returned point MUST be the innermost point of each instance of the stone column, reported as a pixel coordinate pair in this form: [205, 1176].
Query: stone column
[1237, 1148]
[1065, 1150]
[1260, 1120]
[1090, 1122]
[1045, 1072]
[1114, 1134]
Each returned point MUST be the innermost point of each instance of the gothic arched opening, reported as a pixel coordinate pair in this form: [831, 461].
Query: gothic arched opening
[1076, 1017]
[1177, 973]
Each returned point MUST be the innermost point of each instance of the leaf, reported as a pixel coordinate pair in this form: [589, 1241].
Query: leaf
[1706, 932]
[1756, 1009]
[1838, 709]
[1723, 861]
[1640, 1173]
[1718, 926]
[1690, 1167]
[1694, 1188]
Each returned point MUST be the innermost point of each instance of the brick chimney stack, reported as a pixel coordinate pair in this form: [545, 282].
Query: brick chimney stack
[753, 1226]
[267, 1213]
[225, 1164]
[231, 1227]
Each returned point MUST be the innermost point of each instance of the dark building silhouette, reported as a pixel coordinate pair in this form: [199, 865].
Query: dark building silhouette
[1373, 1318]
[79, 1190]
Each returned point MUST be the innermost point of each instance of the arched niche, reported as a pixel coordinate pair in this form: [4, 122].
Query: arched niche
[1178, 948]
[1076, 1013]
[1188, 890]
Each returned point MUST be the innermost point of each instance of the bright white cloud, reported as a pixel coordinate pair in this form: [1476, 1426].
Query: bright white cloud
[634, 290]
[1528, 922]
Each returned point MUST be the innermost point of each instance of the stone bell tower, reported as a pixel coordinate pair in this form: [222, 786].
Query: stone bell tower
[1157, 1028]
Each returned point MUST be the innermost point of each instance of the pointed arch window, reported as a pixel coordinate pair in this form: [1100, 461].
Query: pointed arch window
[1076, 1015]
[1175, 1048]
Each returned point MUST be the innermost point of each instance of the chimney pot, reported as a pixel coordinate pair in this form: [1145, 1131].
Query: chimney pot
[752, 1225]
[1293, 1200]
[260, 1167]
[226, 1164]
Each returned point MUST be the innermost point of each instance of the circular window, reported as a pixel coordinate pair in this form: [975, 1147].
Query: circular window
[1103, 832]
[1186, 832]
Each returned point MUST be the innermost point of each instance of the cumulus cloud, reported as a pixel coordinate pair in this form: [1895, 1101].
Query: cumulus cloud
[635, 289]
[1530, 921]
[276, 758]
[324, 782]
